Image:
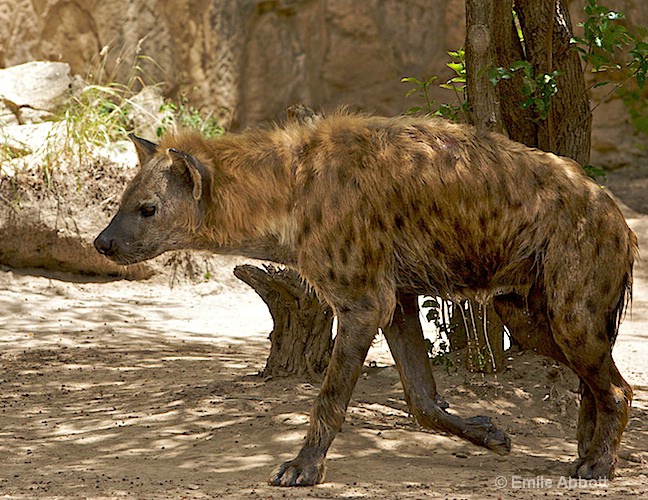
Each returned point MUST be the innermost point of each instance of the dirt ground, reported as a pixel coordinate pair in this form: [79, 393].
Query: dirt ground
[141, 390]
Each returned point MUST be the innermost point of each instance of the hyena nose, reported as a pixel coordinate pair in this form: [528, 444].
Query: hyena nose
[105, 245]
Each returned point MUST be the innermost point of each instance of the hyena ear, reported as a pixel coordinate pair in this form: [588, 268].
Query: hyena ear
[191, 166]
[145, 149]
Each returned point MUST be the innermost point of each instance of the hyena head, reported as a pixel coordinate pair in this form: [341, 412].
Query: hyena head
[161, 207]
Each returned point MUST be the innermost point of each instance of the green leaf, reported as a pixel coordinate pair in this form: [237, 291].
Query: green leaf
[529, 87]
[615, 15]
[594, 172]
[498, 73]
[516, 65]
[456, 67]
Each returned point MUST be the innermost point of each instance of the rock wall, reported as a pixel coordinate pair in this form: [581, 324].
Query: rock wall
[248, 59]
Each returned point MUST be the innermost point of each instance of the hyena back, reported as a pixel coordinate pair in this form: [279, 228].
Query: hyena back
[373, 211]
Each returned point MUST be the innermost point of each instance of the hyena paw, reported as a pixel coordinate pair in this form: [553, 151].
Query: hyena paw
[298, 472]
[601, 467]
[489, 435]
[441, 402]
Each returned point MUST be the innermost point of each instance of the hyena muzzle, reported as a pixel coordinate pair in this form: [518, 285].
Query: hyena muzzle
[372, 212]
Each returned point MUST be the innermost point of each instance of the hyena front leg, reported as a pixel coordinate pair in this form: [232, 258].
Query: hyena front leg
[356, 330]
[405, 338]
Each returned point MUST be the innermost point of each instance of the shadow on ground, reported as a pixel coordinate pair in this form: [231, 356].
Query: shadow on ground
[119, 389]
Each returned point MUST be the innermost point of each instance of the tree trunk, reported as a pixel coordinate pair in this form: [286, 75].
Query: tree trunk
[301, 339]
[547, 29]
[483, 104]
[482, 327]
[518, 123]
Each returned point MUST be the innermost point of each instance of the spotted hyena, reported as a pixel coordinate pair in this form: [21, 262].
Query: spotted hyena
[372, 211]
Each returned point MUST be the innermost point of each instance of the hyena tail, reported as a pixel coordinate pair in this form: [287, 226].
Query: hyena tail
[618, 312]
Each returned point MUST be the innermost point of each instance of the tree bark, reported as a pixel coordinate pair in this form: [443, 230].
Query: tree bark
[547, 30]
[480, 323]
[301, 339]
[518, 123]
[483, 103]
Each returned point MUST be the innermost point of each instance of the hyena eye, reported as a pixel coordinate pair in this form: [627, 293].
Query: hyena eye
[147, 210]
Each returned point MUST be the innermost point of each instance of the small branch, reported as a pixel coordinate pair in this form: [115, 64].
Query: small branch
[552, 18]
[465, 322]
[486, 336]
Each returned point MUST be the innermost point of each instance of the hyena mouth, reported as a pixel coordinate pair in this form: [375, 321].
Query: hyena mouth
[126, 258]
[135, 257]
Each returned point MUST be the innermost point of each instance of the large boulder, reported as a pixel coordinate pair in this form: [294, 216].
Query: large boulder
[35, 90]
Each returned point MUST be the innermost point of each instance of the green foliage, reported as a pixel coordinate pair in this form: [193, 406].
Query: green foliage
[537, 89]
[608, 46]
[601, 46]
[101, 113]
[187, 116]
[604, 38]
[11, 149]
[423, 87]
[456, 110]
[440, 356]
[97, 117]
[437, 313]
[595, 172]
[638, 66]
[636, 103]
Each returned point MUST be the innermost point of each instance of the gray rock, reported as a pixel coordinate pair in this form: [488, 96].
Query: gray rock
[7, 114]
[145, 112]
[35, 90]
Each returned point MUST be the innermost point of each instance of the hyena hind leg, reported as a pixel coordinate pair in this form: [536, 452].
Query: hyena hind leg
[606, 400]
[586, 343]
[529, 324]
[586, 420]
[527, 321]
[405, 338]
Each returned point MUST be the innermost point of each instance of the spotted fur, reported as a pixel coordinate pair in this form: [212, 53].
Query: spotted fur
[374, 210]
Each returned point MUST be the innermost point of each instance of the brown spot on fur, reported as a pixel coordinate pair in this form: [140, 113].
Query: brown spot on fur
[343, 255]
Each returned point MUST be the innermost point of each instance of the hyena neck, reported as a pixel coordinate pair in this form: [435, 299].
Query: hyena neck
[251, 205]
[261, 249]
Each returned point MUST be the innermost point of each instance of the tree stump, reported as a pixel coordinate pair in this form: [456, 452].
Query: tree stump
[301, 338]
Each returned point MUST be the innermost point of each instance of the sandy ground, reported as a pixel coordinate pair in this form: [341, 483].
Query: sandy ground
[140, 390]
